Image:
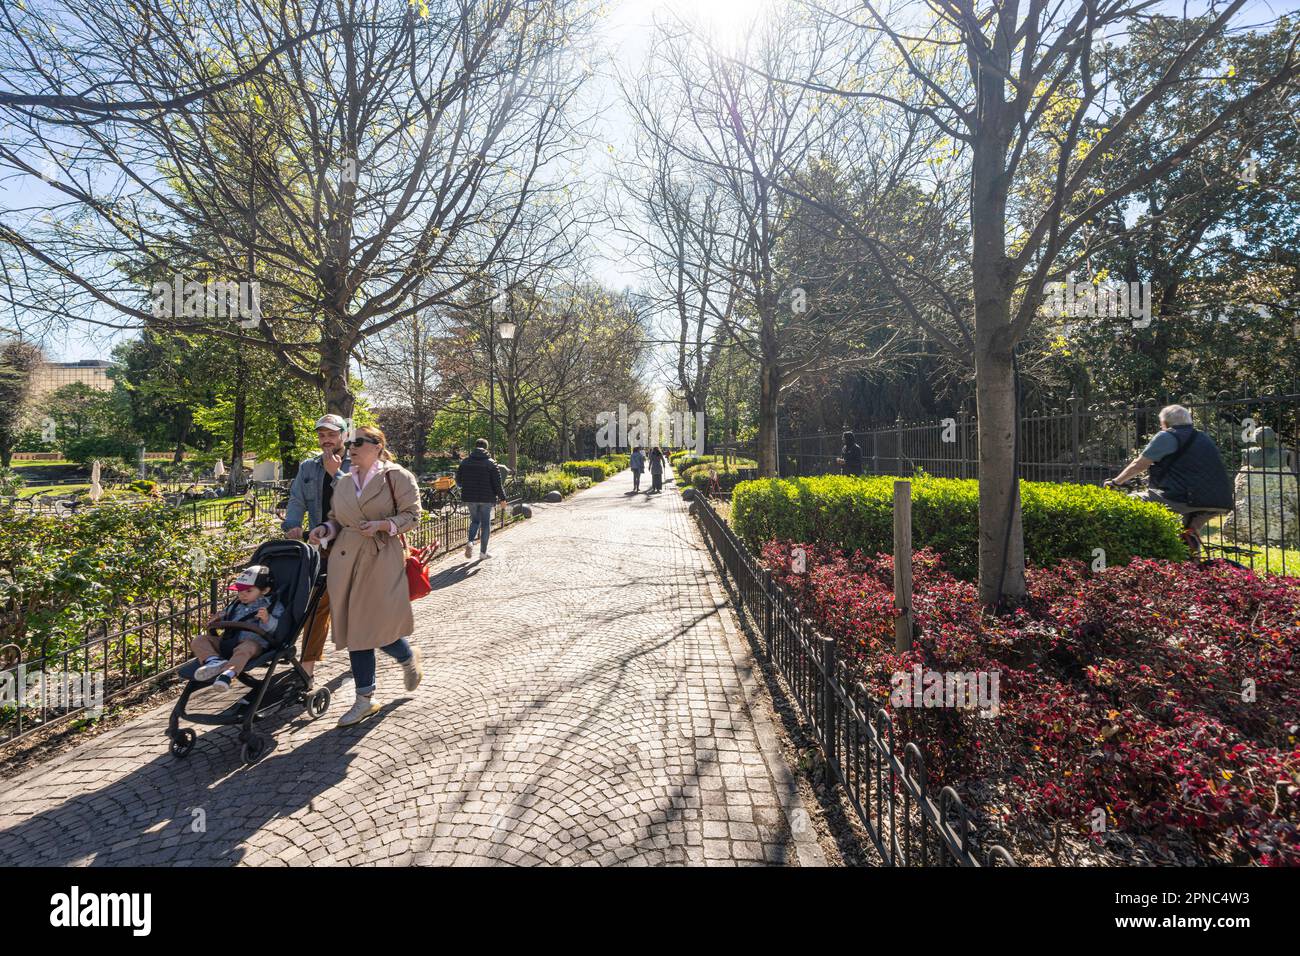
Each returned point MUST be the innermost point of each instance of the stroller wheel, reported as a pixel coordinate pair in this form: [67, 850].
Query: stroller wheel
[254, 749]
[182, 743]
[318, 703]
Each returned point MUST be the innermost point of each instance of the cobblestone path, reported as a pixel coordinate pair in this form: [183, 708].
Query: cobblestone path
[587, 700]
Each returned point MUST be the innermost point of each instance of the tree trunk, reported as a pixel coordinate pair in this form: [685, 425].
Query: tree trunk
[420, 439]
[1001, 554]
[334, 356]
[1002, 546]
[183, 426]
[512, 443]
[769, 396]
[241, 411]
[288, 435]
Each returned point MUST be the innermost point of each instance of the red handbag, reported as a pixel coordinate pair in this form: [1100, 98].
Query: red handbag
[417, 559]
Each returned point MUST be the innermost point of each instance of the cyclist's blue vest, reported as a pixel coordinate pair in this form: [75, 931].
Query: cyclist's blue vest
[1194, 474]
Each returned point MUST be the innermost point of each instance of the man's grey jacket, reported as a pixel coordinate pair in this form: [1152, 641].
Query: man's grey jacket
[304, 495]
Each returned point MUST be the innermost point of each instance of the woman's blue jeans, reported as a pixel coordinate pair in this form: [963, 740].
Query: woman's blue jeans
[363, 664]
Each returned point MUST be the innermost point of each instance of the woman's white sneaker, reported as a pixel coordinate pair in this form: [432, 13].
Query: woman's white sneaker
[363, 707]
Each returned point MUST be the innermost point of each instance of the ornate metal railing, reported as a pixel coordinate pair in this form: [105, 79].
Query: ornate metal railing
[888, 790]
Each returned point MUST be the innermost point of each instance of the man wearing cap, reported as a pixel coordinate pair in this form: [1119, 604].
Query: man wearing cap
[310, 497]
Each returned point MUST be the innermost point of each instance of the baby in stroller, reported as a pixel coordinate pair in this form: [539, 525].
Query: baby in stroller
[277, 597]
[254, 602]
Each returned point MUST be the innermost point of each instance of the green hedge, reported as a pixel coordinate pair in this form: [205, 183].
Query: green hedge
[1060, 521]
[537, 485]
[91, 447]
[691, 464]
[60, 576]
[596, 469]
[728, 477]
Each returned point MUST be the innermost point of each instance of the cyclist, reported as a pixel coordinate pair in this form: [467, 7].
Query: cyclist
[1186, 473]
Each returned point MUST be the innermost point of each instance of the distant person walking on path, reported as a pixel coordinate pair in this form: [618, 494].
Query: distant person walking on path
[850, 460]
[367, 582]
[656, 469]
[311, 496]
[479, 478]
[637, 464]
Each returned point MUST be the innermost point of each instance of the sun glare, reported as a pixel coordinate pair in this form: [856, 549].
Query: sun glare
[728, 21]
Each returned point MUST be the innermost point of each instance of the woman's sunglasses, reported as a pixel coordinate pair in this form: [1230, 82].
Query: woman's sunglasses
[355, 442]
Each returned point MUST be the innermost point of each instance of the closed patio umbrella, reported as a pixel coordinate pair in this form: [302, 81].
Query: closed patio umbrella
[96, 489]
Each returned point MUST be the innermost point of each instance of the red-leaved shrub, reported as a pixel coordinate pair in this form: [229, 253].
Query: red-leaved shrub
[1166, 693]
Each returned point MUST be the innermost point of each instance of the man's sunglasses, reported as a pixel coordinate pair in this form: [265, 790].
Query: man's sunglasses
[353, 443]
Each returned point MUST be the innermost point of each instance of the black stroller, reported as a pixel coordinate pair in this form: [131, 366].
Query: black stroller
[296, 568]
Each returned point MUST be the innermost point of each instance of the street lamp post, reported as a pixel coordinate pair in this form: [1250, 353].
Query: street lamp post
[506, 329]
[492, 391]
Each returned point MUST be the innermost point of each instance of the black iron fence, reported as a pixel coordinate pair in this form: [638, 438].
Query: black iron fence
[60, 680]
[51, 684]
[258, 500]
[888, 789]
[1257, 438]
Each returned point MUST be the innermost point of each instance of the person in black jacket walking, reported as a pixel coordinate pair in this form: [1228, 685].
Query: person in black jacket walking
[479, 478]
[850, 460]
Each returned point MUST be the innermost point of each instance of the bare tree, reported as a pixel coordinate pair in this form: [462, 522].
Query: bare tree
[401, 371]
[390, 152]
[712, 114]
[52, 67]
[681, 227]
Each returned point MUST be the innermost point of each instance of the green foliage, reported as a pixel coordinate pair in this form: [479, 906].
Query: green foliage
[79, 410]
[10, 481]
[61, 576]
[690, 467]
[90, 448]
[1060, 521]
[619, 461]
[594, 468]
[29, 439]
[537, 486]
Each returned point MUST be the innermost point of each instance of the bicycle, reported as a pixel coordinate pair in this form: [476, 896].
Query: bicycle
[441, 496]
[1198, 549]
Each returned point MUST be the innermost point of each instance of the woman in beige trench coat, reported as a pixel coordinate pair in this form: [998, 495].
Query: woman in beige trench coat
[370, 604]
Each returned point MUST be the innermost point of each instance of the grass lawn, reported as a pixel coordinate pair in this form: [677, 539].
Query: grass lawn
[30, 490]
[1269, 559]
[40, 464]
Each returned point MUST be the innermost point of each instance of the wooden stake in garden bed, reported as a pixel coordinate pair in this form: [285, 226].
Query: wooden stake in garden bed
[903, 565]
